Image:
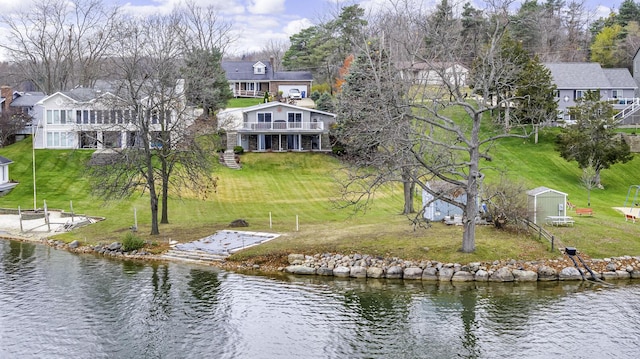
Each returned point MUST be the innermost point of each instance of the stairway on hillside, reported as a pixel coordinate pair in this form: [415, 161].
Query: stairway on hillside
[229, 159]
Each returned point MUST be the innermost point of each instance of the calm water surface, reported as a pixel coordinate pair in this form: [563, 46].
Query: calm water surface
[54, 304]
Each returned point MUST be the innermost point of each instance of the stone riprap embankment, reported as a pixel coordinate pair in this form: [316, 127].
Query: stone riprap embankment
[109, 250]
[364, 266]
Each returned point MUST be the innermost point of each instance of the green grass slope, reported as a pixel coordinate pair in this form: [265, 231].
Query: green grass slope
[292, 194]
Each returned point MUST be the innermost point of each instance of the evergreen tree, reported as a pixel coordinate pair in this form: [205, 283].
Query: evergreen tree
[322, 48]
[592, 141]
[206, 82]
[629, 11]
[536, 102]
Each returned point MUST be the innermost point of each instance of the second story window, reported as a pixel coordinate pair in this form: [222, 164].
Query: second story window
[264, 116]
[58, 117]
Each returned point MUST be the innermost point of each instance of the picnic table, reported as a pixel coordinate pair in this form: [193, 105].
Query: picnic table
[560, 220]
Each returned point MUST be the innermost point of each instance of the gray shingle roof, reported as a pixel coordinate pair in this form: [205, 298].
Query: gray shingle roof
[243, 71]
[82, 94]
[27, 99]
[589, 75]
[621, 78]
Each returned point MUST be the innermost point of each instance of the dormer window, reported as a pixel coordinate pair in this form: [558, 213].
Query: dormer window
[259, 68]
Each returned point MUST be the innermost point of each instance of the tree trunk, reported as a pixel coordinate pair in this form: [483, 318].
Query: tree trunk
[408, 187]
[165, 207]
[473, 184]
[596, 179]
[153, 195]
[165, 194]
[153, 198]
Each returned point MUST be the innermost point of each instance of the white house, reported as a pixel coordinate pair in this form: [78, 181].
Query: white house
[436, 73]
[276, 126]
[92, 118]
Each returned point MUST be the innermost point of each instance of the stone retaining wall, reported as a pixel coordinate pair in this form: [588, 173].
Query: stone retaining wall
[364, 266]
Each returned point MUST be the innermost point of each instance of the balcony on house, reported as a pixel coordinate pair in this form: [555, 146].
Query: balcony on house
[283, 126]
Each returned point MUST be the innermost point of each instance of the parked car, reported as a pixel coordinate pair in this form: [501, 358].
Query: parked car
[295, 94]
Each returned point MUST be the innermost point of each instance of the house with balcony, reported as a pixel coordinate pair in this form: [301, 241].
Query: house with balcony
[574, 79]
[254, 78]
[97, 119]
[277, 126]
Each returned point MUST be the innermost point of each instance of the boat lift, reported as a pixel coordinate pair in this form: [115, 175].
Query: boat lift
[571, 252]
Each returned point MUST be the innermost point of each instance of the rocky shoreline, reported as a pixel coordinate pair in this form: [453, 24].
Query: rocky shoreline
[365, 266]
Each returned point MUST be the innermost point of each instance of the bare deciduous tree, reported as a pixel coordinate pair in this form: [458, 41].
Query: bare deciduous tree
[164, 151]
[443, 134]
[10, 123]
[60, 44]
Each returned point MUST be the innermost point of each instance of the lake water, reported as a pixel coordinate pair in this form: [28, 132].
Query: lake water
[55, 304]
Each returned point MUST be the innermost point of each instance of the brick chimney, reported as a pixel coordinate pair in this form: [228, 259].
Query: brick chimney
[7, 94]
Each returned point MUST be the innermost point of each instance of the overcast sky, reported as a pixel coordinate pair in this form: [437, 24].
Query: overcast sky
[258, 21]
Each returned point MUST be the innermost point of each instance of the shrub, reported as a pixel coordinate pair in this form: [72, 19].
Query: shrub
[238, 150]
[315, 95]
[132, 242]
[323, 87]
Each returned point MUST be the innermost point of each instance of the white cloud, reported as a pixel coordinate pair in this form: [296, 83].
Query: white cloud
[266, 6]
[602, 11]
[295, 26]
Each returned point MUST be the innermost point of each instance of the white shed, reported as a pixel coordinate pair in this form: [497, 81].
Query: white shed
[543, 202]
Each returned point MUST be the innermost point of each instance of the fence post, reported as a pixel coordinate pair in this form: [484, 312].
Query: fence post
[553, 238]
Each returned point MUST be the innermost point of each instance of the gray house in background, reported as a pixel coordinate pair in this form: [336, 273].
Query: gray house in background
[574, 79]
[254, 78]
[24, 102]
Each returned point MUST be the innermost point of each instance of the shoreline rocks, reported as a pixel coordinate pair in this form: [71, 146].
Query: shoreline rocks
[365, 266]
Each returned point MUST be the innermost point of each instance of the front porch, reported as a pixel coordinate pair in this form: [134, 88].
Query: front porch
[282, 142]
[253, 89]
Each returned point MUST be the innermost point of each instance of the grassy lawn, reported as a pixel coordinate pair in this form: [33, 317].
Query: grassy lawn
[284, 186]
[243, 102]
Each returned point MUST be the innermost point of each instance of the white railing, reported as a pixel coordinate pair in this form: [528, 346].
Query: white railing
[248, 93]
[283, 126]
[632, 105]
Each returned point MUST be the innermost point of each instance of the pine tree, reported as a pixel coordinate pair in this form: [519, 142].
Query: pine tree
[592, 141]
[536, 102]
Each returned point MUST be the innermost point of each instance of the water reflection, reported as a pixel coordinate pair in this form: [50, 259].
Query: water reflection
[83, 306]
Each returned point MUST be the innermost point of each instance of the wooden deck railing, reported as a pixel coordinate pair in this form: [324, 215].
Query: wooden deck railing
[283, 126]
[248, 93]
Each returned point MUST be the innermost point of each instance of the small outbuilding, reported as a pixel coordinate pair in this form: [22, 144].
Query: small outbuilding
[543, 202]
[436, 209]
